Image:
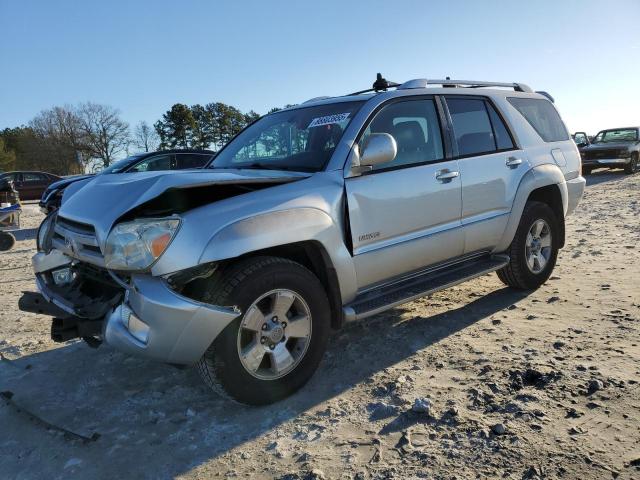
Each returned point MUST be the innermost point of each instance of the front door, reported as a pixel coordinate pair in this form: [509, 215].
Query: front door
[405, 215]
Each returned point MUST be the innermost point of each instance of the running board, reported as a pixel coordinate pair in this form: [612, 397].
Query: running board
[391, 295]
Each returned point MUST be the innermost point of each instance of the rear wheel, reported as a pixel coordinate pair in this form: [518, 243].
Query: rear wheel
[633, 166]
[7, 241]
[275, 346]
[534, 249]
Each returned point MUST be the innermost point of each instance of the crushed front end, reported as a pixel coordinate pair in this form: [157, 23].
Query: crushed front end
[134, 312]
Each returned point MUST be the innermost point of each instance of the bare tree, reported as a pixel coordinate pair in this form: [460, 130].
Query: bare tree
[62, 139]
[105, 134]
[145, 137]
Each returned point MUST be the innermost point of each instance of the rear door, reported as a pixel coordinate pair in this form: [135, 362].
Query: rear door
[491, 167]
[405, 215]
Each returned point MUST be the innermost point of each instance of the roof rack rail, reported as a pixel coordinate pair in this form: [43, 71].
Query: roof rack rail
[424, 82]
[316, 99]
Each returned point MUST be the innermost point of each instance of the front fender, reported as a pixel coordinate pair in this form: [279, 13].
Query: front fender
[285, 227]
[537, 177]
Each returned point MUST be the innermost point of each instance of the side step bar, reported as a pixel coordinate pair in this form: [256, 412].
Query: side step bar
[391, 295]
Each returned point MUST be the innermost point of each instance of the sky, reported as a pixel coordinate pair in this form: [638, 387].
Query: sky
[144, 56]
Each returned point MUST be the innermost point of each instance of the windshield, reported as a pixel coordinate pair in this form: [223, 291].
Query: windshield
[120, 165]
[620, 135]
[302, 139]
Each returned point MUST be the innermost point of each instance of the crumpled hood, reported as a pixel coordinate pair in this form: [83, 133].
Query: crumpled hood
[104, 199]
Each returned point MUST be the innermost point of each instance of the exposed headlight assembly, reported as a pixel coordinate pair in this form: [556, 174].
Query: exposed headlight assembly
[43, 239]
[137, 245]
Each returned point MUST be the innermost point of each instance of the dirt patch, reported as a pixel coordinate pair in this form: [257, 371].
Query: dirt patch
[475, 381]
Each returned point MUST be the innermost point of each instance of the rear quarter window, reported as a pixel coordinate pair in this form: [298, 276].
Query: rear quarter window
[542, 116]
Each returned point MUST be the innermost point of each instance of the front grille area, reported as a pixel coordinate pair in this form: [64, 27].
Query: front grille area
[77, 240]
[604, 153]
[77, 227]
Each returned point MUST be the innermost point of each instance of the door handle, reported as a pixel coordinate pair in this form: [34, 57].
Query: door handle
[445, 176]
[513, 162]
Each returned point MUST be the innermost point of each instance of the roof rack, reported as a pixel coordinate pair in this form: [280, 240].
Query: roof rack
[423, 83]
[382, 85]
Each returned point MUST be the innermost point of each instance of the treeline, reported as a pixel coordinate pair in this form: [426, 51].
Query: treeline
[90, 136]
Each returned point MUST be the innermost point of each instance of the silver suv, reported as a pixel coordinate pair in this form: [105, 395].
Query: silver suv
[320, 214]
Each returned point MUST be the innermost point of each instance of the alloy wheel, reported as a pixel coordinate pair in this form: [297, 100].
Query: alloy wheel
[538, 246]
[274, 334]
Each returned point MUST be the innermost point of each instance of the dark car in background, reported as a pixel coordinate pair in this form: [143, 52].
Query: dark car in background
[140, 162]
[613, 148]
[30, 185]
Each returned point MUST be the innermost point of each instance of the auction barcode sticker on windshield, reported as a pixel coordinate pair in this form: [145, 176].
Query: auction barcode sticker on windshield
[328, 120]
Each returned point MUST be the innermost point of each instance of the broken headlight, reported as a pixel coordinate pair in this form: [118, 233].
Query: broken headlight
[137, 245]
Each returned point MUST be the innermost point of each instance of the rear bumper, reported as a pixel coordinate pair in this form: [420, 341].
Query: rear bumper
[157, 323]
[575, 190]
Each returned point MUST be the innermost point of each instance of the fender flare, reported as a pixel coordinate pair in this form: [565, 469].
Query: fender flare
[281, 228]
[538, 177]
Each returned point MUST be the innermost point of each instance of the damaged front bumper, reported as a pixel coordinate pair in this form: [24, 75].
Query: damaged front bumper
[157, 323]
[146, 319]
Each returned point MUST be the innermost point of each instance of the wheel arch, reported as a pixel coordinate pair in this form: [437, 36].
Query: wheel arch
[544, 183]
[308, 236]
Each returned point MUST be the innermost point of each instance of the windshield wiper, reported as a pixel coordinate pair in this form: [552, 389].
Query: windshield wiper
[264, 166]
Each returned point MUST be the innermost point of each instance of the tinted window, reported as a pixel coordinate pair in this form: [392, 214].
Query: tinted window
[190, 160]
[153, 164]
[33, 177]
[471, 126]
[414, 125]
[503, 139]
[543, 117]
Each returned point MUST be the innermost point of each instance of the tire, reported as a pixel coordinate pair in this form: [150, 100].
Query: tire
[518, 273]
[243, 284]
[633, 166]
[7, 241]
[586, 170]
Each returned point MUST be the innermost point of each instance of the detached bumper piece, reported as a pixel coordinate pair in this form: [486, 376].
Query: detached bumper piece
[64, 327]
[78, 304]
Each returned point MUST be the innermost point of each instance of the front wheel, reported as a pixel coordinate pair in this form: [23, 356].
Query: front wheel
[277, 343]
[534, 249]
[633, 166]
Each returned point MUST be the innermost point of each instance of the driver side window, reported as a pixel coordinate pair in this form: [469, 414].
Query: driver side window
[153, 164]
[415, 127]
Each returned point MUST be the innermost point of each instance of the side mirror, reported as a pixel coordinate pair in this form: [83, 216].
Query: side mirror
[380, 148]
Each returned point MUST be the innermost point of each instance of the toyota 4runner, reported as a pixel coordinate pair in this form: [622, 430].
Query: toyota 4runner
[323, 213]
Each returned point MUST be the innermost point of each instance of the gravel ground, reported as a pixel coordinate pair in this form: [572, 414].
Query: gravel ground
[476, 381]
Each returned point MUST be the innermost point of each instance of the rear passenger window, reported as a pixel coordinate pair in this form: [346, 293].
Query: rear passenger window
[190, 160]
[471, 126]
[542, 116]
[503, 139]
[415, 127]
